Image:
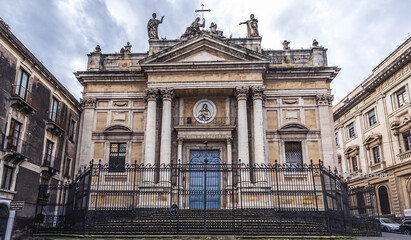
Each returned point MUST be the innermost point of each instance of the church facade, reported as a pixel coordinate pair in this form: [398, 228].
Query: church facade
[248, 104]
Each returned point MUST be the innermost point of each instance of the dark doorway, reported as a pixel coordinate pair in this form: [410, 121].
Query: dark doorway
[384, 200]
[4, 217]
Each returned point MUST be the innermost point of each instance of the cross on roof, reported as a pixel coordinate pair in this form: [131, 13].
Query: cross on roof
[202, 10]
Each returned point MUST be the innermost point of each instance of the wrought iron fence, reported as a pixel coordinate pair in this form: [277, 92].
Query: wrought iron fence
[236, 199]
[364, 212]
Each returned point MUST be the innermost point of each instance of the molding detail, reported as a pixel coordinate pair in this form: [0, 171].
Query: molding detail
[88, 103]
[167, 94]
[241, 92]
[151, 94]
[324, 99]
[257, 92]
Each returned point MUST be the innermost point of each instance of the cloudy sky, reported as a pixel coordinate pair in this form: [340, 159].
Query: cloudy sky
[359, 34]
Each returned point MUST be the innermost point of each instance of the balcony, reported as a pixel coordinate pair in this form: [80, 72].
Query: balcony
[56, 123]
[191, 121]
[48, 168]
[405, 156]
[24, 102]
[12, 143]
[13, 149]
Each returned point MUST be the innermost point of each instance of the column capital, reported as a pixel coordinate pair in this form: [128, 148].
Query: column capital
[167, 94]
[88, 103]
[324, 99]
[257, 92]
[151, 94]
[229, 140]
[180, 140]
[241, 92]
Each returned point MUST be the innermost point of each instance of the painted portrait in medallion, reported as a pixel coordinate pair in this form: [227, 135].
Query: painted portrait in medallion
[204, 111]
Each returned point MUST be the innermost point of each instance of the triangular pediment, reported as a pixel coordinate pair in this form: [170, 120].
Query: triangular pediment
[204, 48]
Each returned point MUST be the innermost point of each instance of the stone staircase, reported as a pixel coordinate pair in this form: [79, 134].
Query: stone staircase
[218, 222]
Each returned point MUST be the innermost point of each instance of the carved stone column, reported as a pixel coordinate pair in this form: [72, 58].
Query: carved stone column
[324, 102]
[165, 148]
[242, 127]
[88, 106]
[258, 130]
[150, 134]
[259, 155]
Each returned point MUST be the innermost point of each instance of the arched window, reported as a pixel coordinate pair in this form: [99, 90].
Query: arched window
[384, 200]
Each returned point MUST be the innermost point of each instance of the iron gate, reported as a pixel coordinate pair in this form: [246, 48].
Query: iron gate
[203, 197]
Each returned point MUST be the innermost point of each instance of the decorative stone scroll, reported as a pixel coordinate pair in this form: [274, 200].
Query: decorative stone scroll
[324, 99]
[151, 94]
[257, 92]
[167, 94]
[241, 93]
[88, 103]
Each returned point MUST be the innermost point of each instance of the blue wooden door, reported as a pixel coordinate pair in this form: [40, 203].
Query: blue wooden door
[204, 179]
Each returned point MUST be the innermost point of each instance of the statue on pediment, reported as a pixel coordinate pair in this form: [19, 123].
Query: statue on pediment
[194, 28]
[152, 26]
[214, 31]
[252, 26]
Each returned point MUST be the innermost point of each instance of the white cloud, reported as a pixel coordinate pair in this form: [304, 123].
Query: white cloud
[358, 34]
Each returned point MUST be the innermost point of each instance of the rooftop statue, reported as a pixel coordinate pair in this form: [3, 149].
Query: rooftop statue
[152, 26]
[252, 26]
[194, 28]
[214, 31]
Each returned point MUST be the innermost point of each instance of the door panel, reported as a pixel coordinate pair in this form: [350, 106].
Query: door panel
[204, 178]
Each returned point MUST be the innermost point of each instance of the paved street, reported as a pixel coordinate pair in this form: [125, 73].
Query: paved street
[393, 236]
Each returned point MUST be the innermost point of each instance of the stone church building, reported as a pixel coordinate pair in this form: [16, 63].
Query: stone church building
[207, 95]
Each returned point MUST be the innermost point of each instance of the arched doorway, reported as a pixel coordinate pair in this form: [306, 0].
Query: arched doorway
[384, 200]
[4, 217]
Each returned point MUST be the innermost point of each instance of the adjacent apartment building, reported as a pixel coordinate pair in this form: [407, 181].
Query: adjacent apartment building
[372, 131]
[39, 121]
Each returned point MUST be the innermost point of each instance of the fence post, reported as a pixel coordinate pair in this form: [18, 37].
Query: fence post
[240, 194]
[324, 192]
[134, 191]
[87, 215]
[313, 179]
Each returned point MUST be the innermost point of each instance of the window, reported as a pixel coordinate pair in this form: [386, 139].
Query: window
[293, 154]
[407, 140]
[72, 130]
[21, 86]
[354, 163]
[117, 159]
[49, 153]
[371, 118]
[336, 139]
[53, 109]
[351, 130]
[14, 135]
[402, 98]
[66, 167]
[7, 177]
[376, 154]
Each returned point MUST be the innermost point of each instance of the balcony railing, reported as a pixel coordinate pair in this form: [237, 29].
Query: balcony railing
[187, 121]
[24, 99]
[405, 156]
[56, 122]
[12, 143]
